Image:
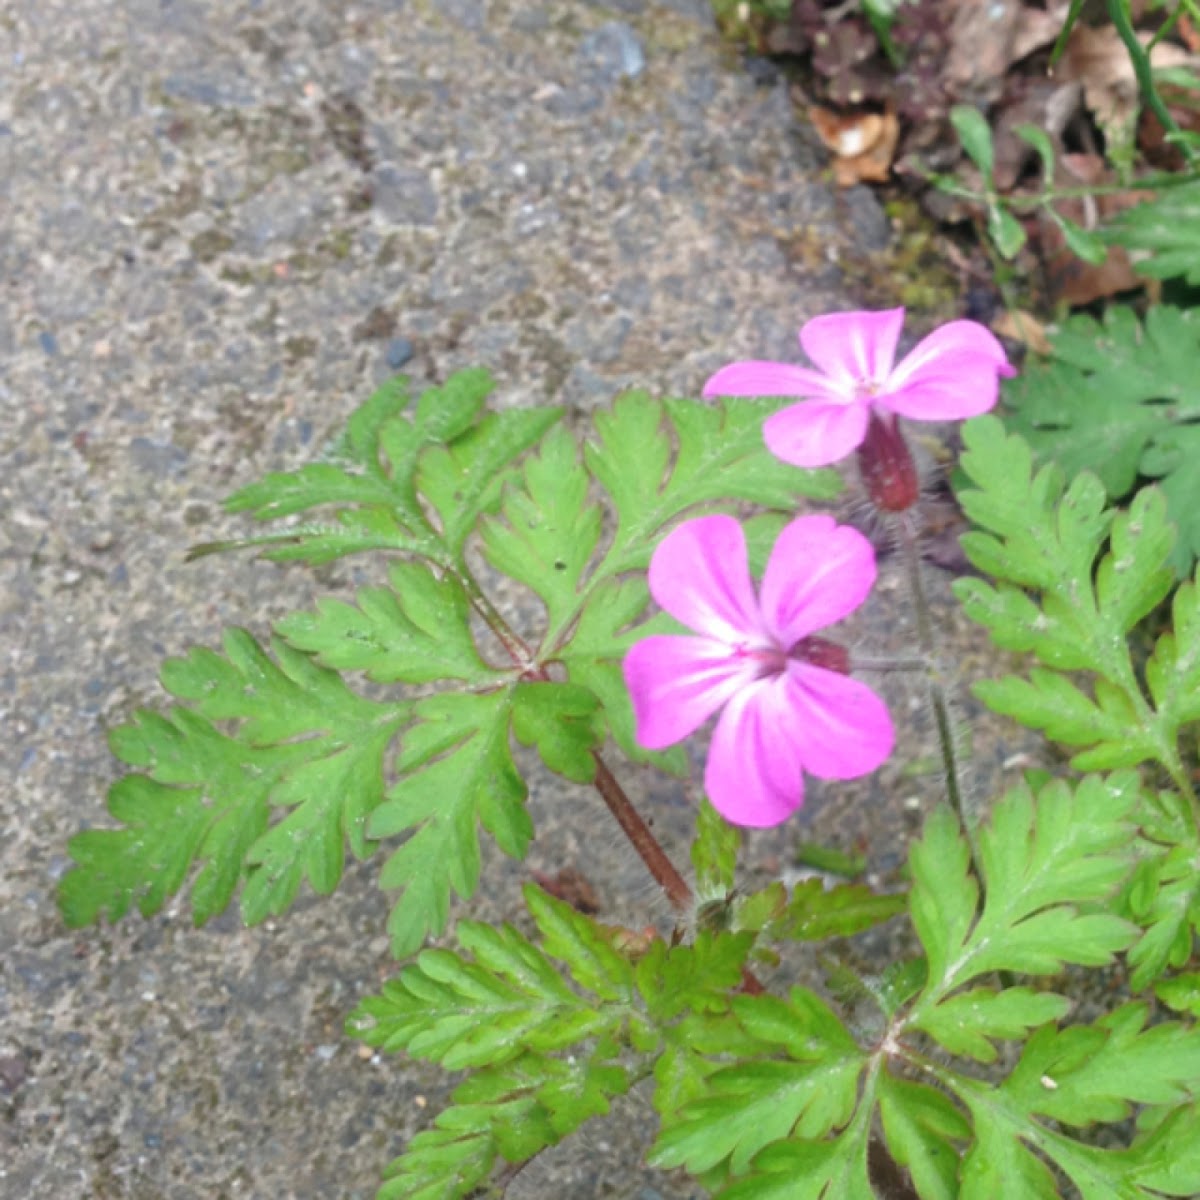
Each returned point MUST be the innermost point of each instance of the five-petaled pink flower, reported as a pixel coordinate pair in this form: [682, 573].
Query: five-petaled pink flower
[950, 374]
[754, 656]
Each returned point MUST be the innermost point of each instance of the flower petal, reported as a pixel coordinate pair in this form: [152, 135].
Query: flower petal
[950, 374]
[843, 727]
[817, 573]
[701, 576]
[815, 434]
[677, 683]
[854, 347]
[756, 378]
[753, 775]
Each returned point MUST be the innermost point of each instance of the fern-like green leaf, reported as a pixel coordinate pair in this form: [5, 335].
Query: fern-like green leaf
[1163, 232]
[1042, 859]
[464, 479]
[552, 1030]
[808, 1093]
[1036, 536]
[277, 799]
[386, 466]
[550, 528]
[417, 630]
[1118, 399]
[1075, 1077]
[921, 1127]
[456, 773]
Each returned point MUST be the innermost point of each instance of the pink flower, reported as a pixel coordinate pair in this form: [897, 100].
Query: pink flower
[754, 657]
[949, 375]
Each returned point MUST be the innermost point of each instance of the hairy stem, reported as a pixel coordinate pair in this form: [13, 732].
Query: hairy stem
[521, 655]
[938, 696]
[644, 842]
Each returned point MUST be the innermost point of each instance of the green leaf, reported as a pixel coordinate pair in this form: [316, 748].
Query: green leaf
[1118, 399]
[1081, 242]
[809, 1170]
[510, 1112]
[553, 1032]
[815, 912]
[1173, 672]
[368, 477]
[550, 529]
[465, 478]
[1041, 859]
[1167, 1160]
[944, 895]
[1005, 230]
[968, 1022]
[388, 469]
[302, 742]
[417, 630]
[921, 1126]
[1037, 537]
[976, 137]
[1167, 907]
[718, 457]
[461, 1013]
[748, 1105]
[456, 773]
[1040, 141]
[714, 853]
[1163, 233]
[1181, 993]
[675, 980]
[1086, 1074]
[564, 722]
[1075, 1077]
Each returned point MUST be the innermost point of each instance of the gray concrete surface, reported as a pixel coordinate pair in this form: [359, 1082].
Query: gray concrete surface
[221, 222]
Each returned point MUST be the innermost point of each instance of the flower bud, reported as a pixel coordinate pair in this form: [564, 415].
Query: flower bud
[886, 466]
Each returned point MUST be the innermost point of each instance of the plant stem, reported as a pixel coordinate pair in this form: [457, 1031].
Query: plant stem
[937, 690]
[1119, 15]
[644, 842]
[521, 655]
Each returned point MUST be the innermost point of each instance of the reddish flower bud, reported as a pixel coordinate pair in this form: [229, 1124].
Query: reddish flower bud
[886, 466]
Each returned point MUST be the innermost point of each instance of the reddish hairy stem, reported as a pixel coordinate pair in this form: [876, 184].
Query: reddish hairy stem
[644, 842]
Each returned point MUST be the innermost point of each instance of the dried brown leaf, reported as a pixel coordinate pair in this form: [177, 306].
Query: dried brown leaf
[1020, 326]
[1097, 58]
[863, 144]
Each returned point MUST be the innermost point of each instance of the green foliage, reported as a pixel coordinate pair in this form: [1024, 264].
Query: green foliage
[554, 1030]
[456, 772]
[269, 765]
[1041, 861]
[1119, 399]
[714, 853]
[447, 453]
[1164, 234]
[266, 771]
[815, 912]
[792, 1115]
[413, 631]
[1073, 577]
[809, 1092]
[278, 795]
